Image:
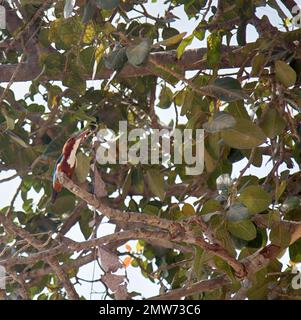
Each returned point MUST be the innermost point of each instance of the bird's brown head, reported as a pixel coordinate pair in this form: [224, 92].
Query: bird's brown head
[74, 141]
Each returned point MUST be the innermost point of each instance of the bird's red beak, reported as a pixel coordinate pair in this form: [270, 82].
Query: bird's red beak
[82, 135]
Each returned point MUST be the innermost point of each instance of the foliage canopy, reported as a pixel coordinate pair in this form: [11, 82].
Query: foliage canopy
[241, 83]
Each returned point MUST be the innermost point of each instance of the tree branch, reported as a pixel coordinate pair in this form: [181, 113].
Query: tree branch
[179, 231]
[201, 286]
[191, 60]
[7, 223]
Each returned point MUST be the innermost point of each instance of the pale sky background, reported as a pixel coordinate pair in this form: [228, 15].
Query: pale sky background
[136, 281]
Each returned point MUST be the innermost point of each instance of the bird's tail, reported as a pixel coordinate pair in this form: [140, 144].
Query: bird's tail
[54, 196]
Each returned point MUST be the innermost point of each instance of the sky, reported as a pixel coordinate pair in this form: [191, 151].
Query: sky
[136, 281]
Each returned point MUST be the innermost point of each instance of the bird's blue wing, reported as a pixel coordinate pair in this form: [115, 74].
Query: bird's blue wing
[55, 166]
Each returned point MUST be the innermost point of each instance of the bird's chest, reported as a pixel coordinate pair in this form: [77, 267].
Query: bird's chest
[69, 160]
[71, 157]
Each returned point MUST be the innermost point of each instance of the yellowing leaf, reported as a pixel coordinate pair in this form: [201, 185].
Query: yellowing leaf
[174, 39]
[214, 41]
[139, 247]
[128, 247]
[99, 52]
[90, 33]
[54, 101]
[98, 56]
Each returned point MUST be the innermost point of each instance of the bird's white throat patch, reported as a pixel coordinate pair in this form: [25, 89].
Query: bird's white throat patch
[72, 158]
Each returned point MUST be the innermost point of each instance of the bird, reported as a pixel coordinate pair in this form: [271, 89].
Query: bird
[66, 163]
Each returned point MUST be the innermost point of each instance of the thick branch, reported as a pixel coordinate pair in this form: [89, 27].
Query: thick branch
[263, 257]
[179, 231]
[201, 286]
[191, 60]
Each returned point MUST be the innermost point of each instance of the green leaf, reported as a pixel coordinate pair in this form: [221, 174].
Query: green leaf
[155, 181]
[272, 123]
[68, 31]
[285, 74]
[82, 167]
[195, 120]
[17, 139]
[280, 235]
[89, 11]
[242, 229]
[241, 34]
[290, 203]
[237, 212]
[63, 204]
[54, 64]
[150, 209]
[138, 180]
[210, 206]
[138, 54]
[255, 199]
[127, 184]
[166, 75]
[258, 64]
[295, 251]
[41, 224]
[187, 104]
[221, 120]
[54, 147]
[238, 110]
[165, 98]
[10, 122]
[75, 81]
[84, 223]
[245, 135]
[200, 31]
[184, 43]
[82, 115]
[133, 206]
[223, 266]
[107, 4]
[226, 89]
[188, 210]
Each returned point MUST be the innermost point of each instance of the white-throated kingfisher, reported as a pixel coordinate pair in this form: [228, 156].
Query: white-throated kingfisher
[66, 163]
